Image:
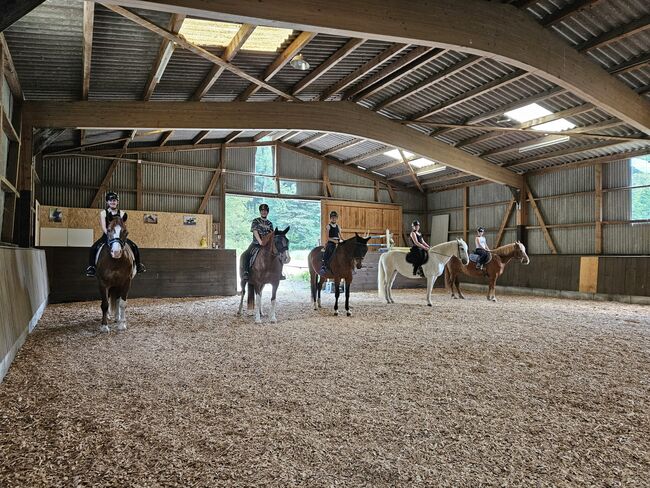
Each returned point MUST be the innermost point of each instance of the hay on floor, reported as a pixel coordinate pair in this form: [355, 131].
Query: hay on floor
[527, 391]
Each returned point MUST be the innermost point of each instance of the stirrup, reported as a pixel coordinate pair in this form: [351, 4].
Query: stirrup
[91, 271]
[140, 268]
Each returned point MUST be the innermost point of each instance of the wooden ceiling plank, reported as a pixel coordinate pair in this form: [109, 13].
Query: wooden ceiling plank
[88, 23]
[566, 11]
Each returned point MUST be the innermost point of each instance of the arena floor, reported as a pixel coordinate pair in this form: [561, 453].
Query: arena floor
[525, 391]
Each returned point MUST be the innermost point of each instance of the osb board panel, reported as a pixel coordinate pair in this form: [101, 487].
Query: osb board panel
[588, 274]
[364, 217]
[170, 273]
[23, 289]
[169, 232]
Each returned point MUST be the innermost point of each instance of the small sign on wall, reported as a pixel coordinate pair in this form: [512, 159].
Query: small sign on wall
[189, 220]
[56, 215]
[150, 218]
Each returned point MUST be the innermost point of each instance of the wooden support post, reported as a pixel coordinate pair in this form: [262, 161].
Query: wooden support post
[105, 182]
[504, 222]
[540, 221]
[138, 184]
[391, 193]
[24, 218]
[522, 214]
[466, 213]
[222, 206]
[598, 171]
[376, 190]
[327, 187]
[277, 169]
[213, 181]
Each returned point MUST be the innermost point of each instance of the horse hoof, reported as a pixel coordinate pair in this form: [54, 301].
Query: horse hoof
[336, 313]
[429, 305]
[454, 297]
[121, 326]
[104, 329]
[349, 314]
[274, 320]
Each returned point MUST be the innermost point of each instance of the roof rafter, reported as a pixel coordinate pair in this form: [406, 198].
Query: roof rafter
[165, 52]
[88, 22]
[568, 10]
[617, 34]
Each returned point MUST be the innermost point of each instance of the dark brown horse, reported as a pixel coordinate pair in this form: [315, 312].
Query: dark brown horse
[115, 270]
[501, 256]
[347, 256]
[267, 268]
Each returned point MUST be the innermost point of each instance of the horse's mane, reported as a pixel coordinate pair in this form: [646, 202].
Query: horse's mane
[267, 239]
[505, 250]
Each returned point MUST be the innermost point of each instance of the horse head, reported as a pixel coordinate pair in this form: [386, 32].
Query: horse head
[520, 253]
[116, 234]
[462, 251]
[360, 249]
[281, 244]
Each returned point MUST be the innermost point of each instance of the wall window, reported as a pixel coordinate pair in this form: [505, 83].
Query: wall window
[640, 197]
[265, 165]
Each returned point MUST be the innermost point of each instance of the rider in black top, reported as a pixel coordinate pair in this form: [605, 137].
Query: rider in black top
[333, 238]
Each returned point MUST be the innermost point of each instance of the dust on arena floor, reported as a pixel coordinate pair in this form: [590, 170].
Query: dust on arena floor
[527, 391]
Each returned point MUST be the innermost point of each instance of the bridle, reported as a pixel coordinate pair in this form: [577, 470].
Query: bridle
[278, 250]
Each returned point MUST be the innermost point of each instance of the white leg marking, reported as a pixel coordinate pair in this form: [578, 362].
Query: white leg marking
[103, 328]
[273, 317]
[258, 309]
[121, 312]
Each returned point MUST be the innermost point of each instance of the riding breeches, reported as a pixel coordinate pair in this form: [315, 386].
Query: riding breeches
[482, 254]
[330, 247]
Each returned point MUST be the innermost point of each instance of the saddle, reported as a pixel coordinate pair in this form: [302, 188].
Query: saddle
[474, 258]
[414, 256]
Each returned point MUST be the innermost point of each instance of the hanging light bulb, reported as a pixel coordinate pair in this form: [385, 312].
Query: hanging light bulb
[299, 62]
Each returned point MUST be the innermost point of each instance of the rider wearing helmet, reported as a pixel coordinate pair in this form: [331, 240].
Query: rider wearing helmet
[333, 238]
[482, 248]
[112, 203]
[260, 227]
[419, 249]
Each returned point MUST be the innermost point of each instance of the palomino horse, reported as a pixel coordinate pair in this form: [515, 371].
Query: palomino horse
[501, 256]
[347, 256]
[115, 270]
[393, 262]
[267, 268]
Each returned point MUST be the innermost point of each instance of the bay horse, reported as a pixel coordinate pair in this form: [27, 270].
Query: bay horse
[501, 256]
[346, 257]
[267, 268]
[115, 270]
[393, 262]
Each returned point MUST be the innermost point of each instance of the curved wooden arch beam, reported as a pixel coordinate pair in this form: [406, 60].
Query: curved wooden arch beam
[488, 29]
[339, 117]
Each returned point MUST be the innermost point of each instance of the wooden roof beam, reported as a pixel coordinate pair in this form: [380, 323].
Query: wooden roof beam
[311, 139]
[88, 22]
[342, 146]
[341, 117]
[199, 51]
[494, 30]
[200, 137]
[10, 72]
[327, 65]
[164, 139]
[363, 70]
[617, 34]
[567, 11]
[165, 52]
[229, 53]
[411, 61]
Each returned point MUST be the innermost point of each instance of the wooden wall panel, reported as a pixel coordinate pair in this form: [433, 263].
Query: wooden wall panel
[23, 297]
[364, 217]
[170, 273]
[169, 232]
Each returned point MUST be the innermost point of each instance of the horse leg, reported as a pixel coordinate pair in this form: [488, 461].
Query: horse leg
[104, 294]
[273, 292]
[261, 308]
[347, 298]
[460, 293]
[313, 279]
[337, 291]
[430, 283]
[389, 287]
[319, 287]
[450, 278]
[241, 301]
[258, 306]
[492, 290]
[121, 308]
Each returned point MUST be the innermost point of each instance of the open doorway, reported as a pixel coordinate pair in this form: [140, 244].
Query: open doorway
[302, 215]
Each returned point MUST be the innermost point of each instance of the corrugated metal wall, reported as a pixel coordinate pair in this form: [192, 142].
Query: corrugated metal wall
[565, 198]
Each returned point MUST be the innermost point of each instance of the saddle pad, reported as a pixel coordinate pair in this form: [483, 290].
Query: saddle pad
[99, 250]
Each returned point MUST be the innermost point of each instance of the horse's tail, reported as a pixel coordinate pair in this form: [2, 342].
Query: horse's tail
[250, 301]
[381, 276]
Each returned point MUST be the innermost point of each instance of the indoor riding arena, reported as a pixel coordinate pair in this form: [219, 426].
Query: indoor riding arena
[478, 172]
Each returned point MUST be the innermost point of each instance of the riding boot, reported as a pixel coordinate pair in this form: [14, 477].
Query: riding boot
[420, 272]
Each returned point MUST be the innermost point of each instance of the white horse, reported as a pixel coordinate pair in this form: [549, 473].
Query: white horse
[393, 262]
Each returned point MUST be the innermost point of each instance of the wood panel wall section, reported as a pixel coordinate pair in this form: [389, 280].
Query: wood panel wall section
[23, 297]
[170, 273]
[168, 233]
[362, 217]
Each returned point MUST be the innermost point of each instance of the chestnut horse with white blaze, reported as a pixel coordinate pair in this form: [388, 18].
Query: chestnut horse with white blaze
[394, 261]
[501, 256]
[348, 255]
[267, 268]
[115, 270]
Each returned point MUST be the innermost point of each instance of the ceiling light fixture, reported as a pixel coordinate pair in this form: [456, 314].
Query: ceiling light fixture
[433, 169]
[299, 62]
[550, 142]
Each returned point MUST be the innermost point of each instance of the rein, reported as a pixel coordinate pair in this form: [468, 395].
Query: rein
[446, 255]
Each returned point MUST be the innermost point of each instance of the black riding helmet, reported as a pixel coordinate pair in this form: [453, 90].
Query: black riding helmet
[415, 222]
[333, 214]
[480, 229]
[111, 195]
[263, 206]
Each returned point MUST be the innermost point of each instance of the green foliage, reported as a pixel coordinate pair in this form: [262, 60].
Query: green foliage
[640, 197]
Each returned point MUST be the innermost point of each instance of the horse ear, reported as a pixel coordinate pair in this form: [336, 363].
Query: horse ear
[109, 217]
[286, 230]
[356, 234]
[124, 217]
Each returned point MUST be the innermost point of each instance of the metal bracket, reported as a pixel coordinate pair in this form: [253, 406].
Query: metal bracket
[516, 194]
